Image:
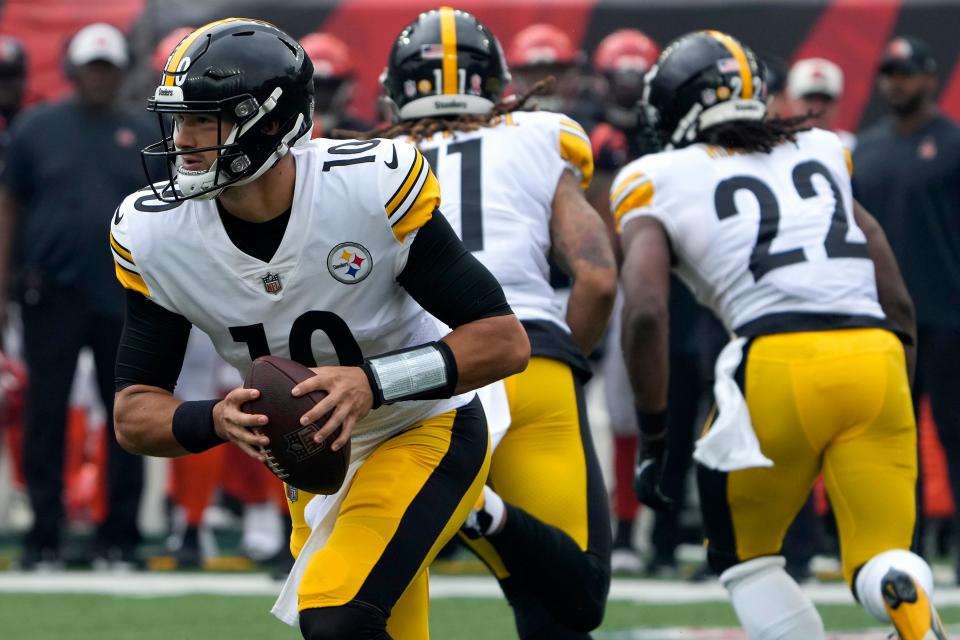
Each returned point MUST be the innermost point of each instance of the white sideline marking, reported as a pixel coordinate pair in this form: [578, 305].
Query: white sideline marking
[441, 586]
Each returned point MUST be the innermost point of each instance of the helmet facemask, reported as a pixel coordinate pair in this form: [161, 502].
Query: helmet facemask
[237, 162]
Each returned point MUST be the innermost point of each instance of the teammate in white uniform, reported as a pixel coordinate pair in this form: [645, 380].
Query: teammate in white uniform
[322, 252]
[757, 217]
[512, 184]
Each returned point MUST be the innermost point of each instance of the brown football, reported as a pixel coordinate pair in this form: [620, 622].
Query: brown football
[292, 454]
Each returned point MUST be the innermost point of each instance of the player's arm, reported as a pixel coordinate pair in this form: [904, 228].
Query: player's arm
[581, 246]
[646, 289]
[148, 419]
[891, 289]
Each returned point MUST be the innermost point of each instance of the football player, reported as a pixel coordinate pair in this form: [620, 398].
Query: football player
[332, 254]
[756, 216]
[512, 184]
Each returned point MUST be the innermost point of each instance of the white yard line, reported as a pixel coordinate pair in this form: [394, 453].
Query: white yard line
[441, 586]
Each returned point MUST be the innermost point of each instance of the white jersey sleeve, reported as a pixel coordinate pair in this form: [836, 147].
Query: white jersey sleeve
[498, 185]
[757, 234]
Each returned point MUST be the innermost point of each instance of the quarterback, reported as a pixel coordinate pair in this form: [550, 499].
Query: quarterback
[512, 184]
[756, 216]
[332, 254]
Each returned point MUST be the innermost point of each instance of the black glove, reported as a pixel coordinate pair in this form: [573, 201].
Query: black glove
[650, 461]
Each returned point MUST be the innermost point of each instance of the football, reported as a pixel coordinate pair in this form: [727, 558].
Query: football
[292, 455]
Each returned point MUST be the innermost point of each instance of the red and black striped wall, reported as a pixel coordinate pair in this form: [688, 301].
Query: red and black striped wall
[849, 32]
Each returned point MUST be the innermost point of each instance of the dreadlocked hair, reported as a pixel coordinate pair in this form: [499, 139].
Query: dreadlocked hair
[424, 128]
[756, 136]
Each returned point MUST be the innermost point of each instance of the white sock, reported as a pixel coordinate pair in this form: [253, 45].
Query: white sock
[769, 604]
[871, 574]
[493, 505]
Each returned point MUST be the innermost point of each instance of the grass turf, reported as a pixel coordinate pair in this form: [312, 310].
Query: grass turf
[89, 617]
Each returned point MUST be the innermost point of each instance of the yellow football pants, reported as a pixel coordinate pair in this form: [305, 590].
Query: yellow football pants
[836, 402]
[545, 463]
[406, 501]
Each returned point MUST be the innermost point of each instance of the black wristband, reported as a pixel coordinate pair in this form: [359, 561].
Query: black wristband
[193, 426]
[425, 372]
[652, 425]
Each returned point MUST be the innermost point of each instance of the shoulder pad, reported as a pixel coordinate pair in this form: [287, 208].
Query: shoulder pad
[409, 190]
[632, 189]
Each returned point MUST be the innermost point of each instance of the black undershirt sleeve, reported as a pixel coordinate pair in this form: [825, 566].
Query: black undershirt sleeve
[152, 345]
[447, 280]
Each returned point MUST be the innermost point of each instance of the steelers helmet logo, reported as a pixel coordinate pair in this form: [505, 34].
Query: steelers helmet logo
[349, 262]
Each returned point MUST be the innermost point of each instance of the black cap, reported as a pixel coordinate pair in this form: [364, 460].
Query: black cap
[907, 54]
[13, 58]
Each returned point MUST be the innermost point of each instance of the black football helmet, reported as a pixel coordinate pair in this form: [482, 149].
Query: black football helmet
[446, 62]
[249, 73]
[702, 79]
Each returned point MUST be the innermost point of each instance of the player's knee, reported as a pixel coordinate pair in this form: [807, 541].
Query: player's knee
[587, 611]
[869, 577]
[358, 621]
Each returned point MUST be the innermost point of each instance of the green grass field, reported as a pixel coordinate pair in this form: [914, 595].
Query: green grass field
[89, 617]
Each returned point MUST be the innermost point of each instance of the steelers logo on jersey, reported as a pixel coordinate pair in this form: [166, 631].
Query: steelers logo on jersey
[349, 262]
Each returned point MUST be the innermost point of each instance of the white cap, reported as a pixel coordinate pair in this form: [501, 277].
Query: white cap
[815, 75]
[99, 41]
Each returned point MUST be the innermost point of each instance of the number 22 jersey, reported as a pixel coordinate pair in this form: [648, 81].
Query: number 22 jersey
[329, 294]
[759, 236]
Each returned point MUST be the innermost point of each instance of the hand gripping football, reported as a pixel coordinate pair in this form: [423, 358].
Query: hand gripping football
[292, 454]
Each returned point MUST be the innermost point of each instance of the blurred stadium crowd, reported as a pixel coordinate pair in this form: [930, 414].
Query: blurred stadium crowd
[68, 162]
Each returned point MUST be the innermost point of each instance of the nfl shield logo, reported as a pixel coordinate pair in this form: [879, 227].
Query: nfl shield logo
[271, 283]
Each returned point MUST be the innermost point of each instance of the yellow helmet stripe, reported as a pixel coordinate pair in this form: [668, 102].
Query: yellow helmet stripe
[168, 78]
[448, 36]
[737, 52]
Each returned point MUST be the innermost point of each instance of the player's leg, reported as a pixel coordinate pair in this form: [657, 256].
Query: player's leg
[870, 473]
[405, 502]
[118, 535]
[555, 540]
[746, 513]
[52, 342]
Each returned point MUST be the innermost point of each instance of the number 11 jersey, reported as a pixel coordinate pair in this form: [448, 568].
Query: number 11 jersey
[758, 236]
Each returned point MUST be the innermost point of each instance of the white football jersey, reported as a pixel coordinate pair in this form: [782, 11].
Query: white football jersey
[756, 234]
[498, 185]
[329, 295]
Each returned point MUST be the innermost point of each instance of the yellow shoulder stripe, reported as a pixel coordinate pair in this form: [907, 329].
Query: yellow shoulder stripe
[623, 185]
[420, 212]
[131, 280]
[121, 250]
[848, 158]
[404, 190]
[576, 150]
[642, 196]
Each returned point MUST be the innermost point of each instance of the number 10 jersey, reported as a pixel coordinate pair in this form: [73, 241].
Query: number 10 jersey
[755, 234]
[329, 294]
